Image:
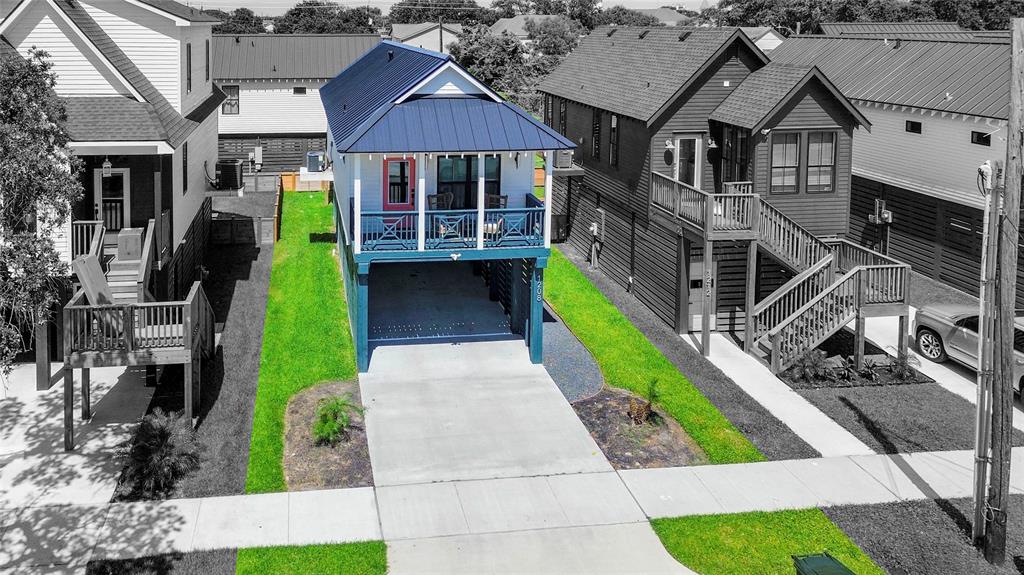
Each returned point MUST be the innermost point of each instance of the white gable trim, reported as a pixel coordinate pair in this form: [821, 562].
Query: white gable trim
[96, 51]
[120, 148]
[457, 69]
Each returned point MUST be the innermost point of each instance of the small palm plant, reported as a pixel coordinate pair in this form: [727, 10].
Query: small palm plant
[904, 368]
[164, 450]
[640, 411]
[811, 367]
[333, 419]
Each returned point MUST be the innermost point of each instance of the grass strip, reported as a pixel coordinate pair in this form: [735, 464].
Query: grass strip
[760, 542]
[368, 558]
[630, 361]
[305, 335]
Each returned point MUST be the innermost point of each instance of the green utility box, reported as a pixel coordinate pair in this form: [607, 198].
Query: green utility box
[819, 564]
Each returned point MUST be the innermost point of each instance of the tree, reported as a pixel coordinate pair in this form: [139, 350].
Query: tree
[622, 16]
[39, 180]
[465, 12]
[239, 21]
[496, 60]
[553, 36]
[510, 8]
[324, 17]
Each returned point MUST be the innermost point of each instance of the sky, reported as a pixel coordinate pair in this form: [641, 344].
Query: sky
[277, 7]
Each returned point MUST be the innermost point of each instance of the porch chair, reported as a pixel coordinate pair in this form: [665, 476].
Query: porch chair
[493, 228]
[442, 202]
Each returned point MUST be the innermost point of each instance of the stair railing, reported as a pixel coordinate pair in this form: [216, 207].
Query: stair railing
[787, 299]
[799, 247]
[146, 261]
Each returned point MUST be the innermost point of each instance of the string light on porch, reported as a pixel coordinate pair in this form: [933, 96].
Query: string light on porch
[106, 167]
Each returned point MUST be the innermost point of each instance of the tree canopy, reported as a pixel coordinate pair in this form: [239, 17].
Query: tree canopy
[324, 17]
[622, 16]
[238, 21]
[39, 179]
[465, 12]
[498, 60]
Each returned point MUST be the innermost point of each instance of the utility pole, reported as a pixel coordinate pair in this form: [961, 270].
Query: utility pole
[994, 542]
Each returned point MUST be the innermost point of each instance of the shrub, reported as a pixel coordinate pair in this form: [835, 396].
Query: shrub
[333, 419]
[811, 367]
[905, 368]
[870, 370]
[640, 411]
[164, 450]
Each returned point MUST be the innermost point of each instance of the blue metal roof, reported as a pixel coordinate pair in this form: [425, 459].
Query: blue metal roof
[457, 125]
[373, 82]
[363, 117]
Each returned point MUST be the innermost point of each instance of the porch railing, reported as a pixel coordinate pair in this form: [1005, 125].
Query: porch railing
[850, 255]
[452, 229]
[728, 212]
[738, 187]
[86, 237]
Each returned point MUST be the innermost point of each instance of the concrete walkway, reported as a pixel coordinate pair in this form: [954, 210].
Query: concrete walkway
[817, 429]
[951, 376]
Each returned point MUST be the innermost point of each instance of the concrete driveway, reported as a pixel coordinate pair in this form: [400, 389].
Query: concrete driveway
[472, 410]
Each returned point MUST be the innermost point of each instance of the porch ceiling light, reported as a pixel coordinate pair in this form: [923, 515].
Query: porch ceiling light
[106, 166]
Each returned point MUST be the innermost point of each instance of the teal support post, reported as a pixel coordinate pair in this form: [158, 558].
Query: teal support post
[536, 337]
[363, 317]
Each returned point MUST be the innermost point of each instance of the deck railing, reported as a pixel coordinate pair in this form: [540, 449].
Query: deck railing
[850, 255]
[453, 229]
[800, 248]
[738, 187]
[728, 212]
[137, 326]
[86, 237]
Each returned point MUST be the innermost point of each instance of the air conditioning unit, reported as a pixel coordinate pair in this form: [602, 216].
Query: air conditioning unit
[563, 159]
[315, 161]
[229, 174]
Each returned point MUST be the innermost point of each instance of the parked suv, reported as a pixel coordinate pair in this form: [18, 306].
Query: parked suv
[951, 332]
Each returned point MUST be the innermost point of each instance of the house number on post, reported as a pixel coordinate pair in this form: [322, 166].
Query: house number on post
[707, 283]
[540, 290]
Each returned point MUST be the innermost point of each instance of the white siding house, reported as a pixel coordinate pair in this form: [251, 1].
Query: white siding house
[429, 35]
[272, 84]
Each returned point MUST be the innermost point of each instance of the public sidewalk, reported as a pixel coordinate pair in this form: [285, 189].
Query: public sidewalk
[470, 523]
[814, 427]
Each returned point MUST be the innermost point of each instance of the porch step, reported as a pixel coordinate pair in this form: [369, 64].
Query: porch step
[123, 265]
[117, 287]
[125, 297]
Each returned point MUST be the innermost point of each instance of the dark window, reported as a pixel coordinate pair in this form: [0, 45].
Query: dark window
[981, 138]
[595, 135]
[613, 141]
[913, 127]
[1018, 341]
[735, 154]
[785, 163]
[207, 65]
[230, 106]
[184, 168]
[561, 117]
[821, 162]
[188, 68]
[460, 177]
[299, 91]
[969, 323]
[549, 110]
[398, 182]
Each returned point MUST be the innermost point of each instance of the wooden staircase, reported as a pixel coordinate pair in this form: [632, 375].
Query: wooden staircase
[836, 281]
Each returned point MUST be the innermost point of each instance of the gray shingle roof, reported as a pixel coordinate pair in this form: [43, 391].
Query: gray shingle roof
[402, 32]
[6, 50]
[112, 118]
[666, 16]
[516, 25]
[764, 92]
[965, 77]
[177, 127]
[181, 11]
[280, 56]
[843, 28]
[636, 71]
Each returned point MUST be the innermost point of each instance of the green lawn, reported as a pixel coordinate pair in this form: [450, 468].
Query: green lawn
[629, 360]
[305, 335]
[760, 543]
[350, 559]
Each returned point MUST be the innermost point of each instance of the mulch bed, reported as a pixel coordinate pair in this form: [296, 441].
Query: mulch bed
[659, 443]
[928, 537]
[218, 562]
[838, 348]
[771, 437]
[311, 466]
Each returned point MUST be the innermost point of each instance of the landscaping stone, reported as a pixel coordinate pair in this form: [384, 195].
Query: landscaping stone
[570, 364]
[311, 466]
[661, 442]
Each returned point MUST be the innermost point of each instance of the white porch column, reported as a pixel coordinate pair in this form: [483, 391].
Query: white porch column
[480, 199]
[421, 203]
[357, 204]
[548, 164]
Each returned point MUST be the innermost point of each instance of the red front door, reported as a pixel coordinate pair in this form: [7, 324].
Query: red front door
[399, 184]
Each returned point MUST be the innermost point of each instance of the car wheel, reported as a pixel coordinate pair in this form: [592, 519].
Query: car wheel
[929, 345]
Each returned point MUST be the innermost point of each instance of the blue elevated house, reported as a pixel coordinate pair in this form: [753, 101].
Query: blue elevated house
[434, 196]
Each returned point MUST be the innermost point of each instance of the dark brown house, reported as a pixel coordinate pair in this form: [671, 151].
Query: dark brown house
[699, 164]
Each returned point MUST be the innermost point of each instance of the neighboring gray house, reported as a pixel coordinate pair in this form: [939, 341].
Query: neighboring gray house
[430, 35]
[764, 37]
[516, 25]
